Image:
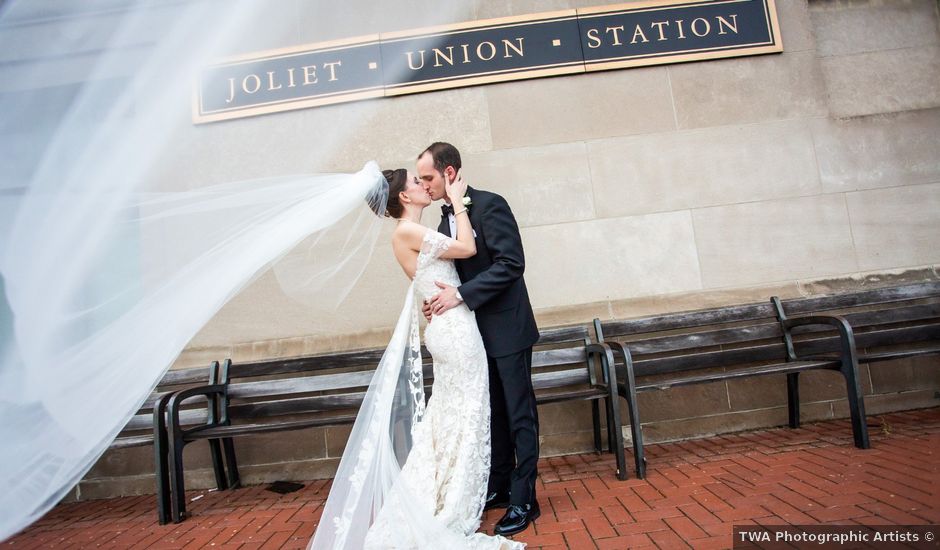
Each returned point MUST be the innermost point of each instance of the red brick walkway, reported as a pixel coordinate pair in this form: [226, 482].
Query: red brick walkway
[694, 492]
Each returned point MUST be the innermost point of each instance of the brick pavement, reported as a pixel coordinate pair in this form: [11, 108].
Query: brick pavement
[694, 493]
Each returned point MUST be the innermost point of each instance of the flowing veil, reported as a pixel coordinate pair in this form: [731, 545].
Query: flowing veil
[96, 322]
[380, 439]
[109, 266]
[107, 271]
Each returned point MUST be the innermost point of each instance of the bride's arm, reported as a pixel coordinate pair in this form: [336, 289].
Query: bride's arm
[463, 245]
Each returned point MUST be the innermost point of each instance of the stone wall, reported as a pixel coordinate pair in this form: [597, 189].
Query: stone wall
[722, 175]
[638, 191]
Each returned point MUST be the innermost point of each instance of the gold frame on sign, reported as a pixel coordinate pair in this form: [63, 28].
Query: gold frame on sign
[199, 116]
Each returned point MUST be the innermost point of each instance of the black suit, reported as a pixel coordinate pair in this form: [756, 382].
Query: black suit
[493, 287]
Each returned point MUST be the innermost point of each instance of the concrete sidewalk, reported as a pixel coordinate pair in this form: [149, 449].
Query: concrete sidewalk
[694, 493]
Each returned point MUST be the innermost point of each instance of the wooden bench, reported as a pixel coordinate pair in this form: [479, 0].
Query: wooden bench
[889, 323]
[326, 390]
[665, 351]
[264, 397]
[148, 427]
[564, 369]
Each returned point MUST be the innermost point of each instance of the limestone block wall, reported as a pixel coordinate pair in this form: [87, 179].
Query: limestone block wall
[683, 186]
[704, 177]
[637, 191]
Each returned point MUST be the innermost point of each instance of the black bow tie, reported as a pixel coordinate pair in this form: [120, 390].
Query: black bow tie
[447, 209]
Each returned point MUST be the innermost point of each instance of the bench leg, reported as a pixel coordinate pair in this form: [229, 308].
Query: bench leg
[611, 446]
[856, 405]
[234, 479]
[615, 434]
[161, 472]
[636, 430]
[793, 398]
[178, 492]
[218, 467]
[596, 417]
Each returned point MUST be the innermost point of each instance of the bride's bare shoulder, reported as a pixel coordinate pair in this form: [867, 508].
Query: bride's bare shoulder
[408, 227]
[409, 232]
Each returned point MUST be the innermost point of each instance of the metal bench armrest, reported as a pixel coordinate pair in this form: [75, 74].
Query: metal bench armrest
[211, 392]
[607, 361]
[847, 353]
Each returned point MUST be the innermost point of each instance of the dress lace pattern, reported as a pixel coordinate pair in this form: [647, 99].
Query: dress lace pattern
[446, 471]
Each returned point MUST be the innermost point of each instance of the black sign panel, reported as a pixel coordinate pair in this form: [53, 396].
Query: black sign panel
[497, 50]
[670, 32]
[483, 51]
[290, 78]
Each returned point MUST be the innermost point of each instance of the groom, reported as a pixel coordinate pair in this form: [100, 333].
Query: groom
[492, 286]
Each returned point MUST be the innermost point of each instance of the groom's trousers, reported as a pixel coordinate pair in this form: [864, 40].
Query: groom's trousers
[514, 427]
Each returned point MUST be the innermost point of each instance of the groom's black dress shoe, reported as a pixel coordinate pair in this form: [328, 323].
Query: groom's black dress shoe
[496, 499]
[517, 519]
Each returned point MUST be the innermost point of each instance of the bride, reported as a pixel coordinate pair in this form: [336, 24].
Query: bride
[419, 484]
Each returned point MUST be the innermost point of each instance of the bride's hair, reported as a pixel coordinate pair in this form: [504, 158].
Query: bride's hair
[396, 184]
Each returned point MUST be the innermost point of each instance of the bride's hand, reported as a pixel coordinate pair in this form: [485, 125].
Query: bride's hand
[455, 189]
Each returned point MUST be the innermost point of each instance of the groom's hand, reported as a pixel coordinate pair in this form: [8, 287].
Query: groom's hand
[445, 299]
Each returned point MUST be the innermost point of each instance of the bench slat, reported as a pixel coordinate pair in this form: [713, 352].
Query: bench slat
[724, 336]
[292, 365]
[900, 354]
[305, 384]
[872, 339]
[248, 429]
[199, 375]
[563, 334]
[557, 357]
[688, 319]
[187, 417]
[297, 405]
[872, 320]
[557, 397]
[135, 441]
[778, 368]
[545, 380]
[909, 314]
[724, 357]
[710, 359]
[878, 296]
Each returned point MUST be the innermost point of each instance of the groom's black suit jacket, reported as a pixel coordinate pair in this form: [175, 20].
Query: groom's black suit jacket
[492, 284]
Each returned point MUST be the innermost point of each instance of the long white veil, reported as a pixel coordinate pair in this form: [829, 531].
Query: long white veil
[379, 442]
[107, 272]
[96, 323]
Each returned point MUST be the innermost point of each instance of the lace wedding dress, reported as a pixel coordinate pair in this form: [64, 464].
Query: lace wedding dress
[449, 462]
[436, 499]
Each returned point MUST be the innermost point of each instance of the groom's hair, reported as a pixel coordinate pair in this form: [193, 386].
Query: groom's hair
[444, 155]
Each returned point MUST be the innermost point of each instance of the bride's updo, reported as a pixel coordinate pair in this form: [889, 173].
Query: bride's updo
[396, 184]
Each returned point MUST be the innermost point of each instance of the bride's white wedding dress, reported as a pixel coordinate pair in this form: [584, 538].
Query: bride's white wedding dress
[446, 471]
